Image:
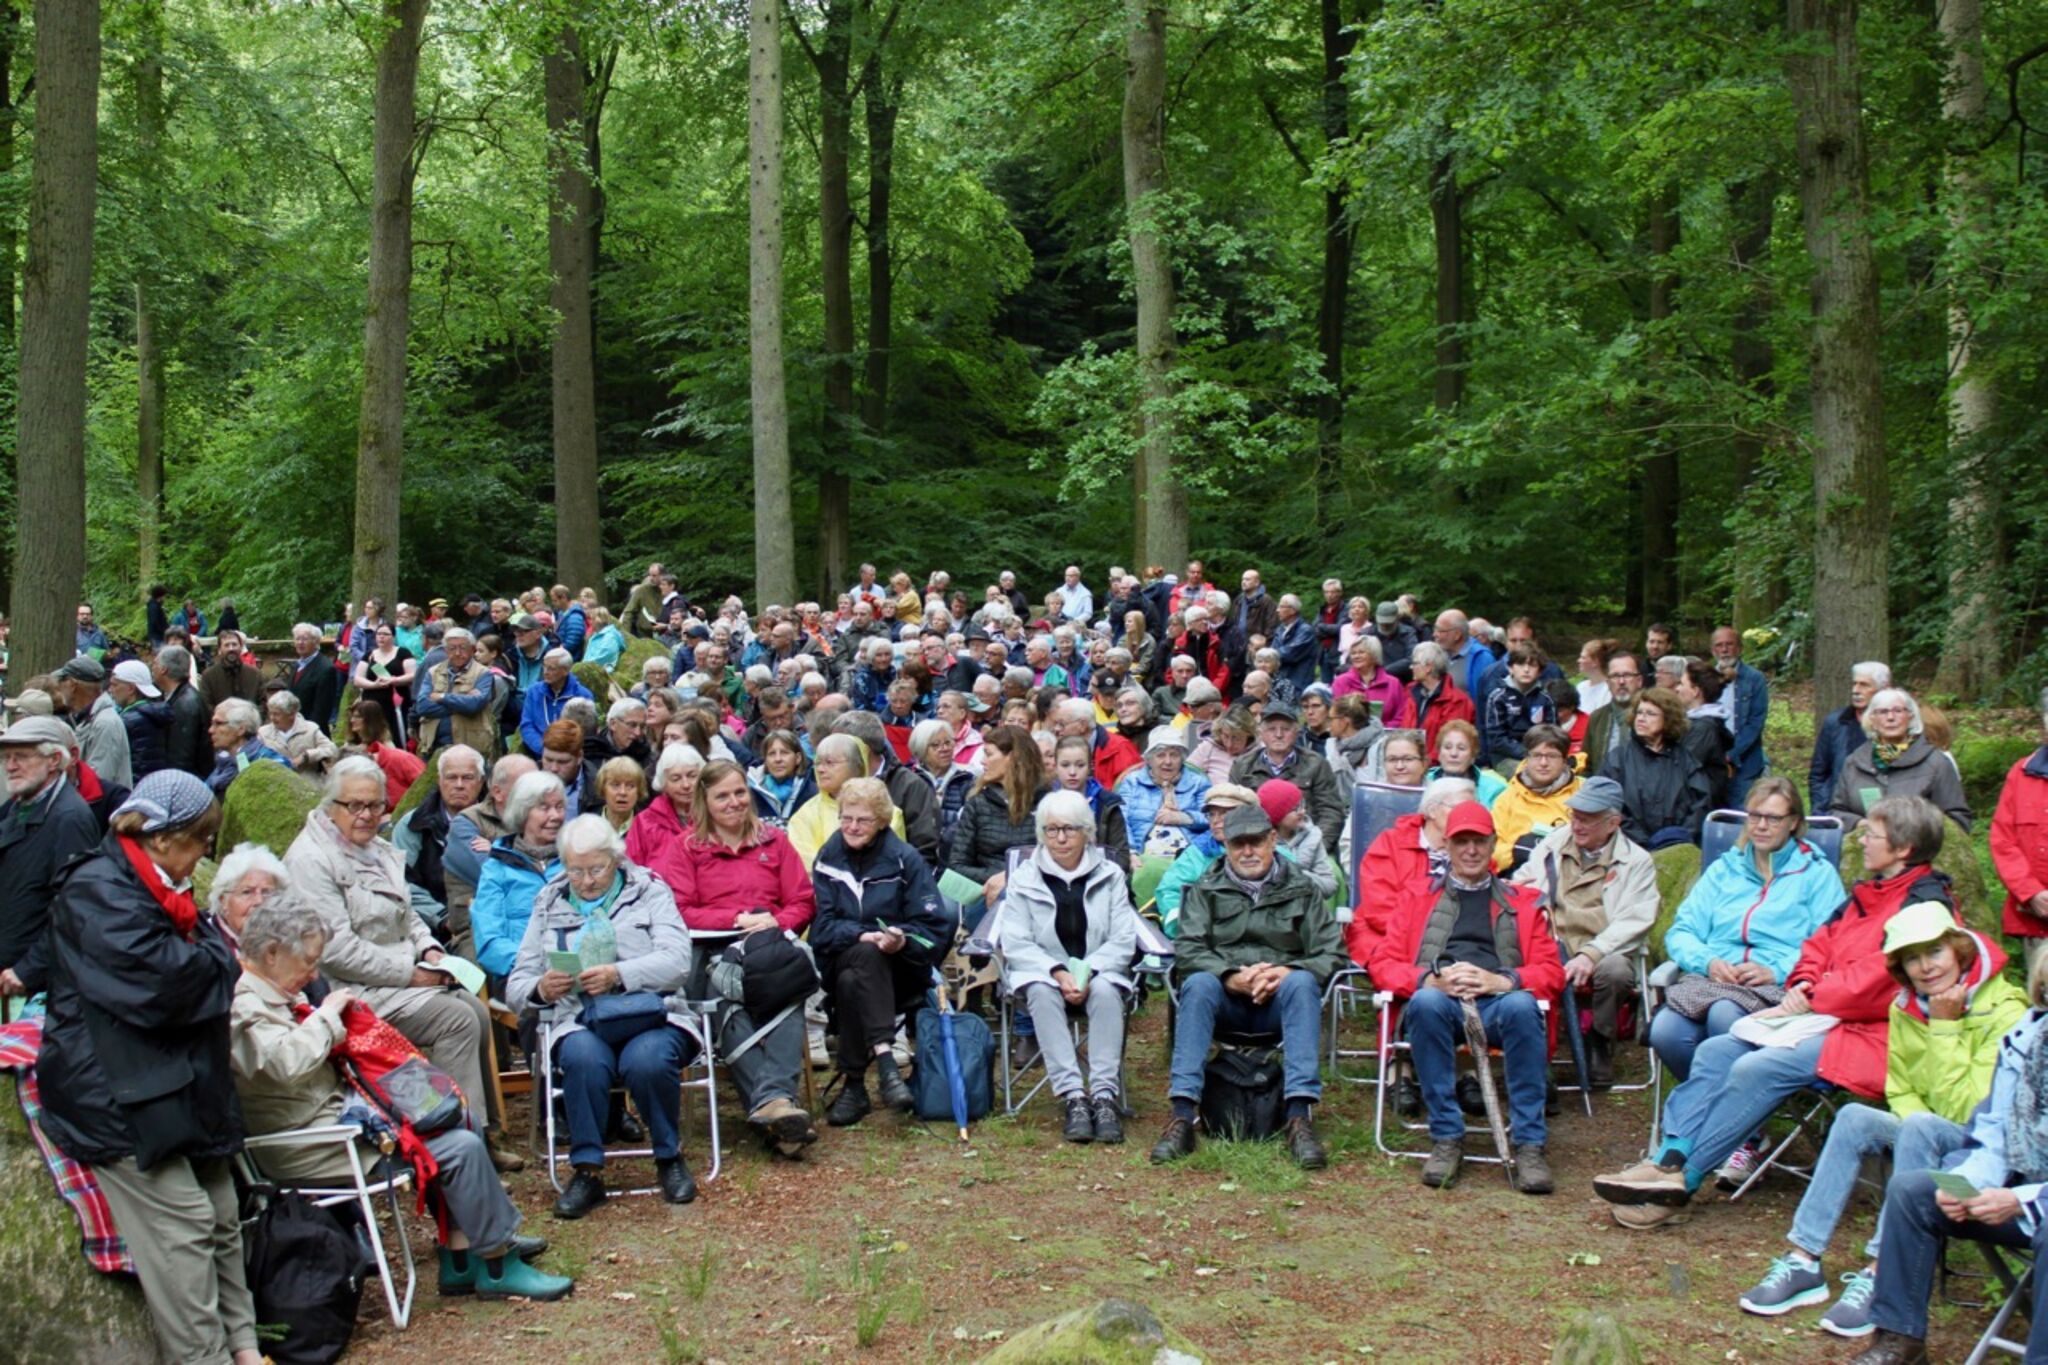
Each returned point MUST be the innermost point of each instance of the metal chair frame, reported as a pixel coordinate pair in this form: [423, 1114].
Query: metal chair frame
[2019, 1289]
[1391, 1044]
[361, 1191]
[699, 1074]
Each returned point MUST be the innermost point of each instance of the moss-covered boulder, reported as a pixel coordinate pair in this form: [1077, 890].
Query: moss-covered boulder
[594, 677]
[1595, 1339]
[1678, 867]
[1112, 1332]
[1958, 858]
[1984, 760]
[268, 804]
[417, 792]
[626, 672]
[57, 1309]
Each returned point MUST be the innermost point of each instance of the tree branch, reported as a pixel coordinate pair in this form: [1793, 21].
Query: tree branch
[1272, 108]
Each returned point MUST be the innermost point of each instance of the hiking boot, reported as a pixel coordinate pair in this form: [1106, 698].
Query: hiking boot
[1080, 1123]
[1176, 1141]
[1471, 1098]
[1892, 1349]
[1850, 1317]
[889, 1083]
[454, 1281]
[1109, 1121]
[851, 1104]
[1304, 1146]
[1642, 1217]
[514, 1278]
[1445, 1160]
[1790, 1283]
[1645, 1183]
[1599, 1062]
[784, 1123]
[678, 1186]
[1737, 1168]
[586, 1191]
[1532, 1170]
[503, 1156]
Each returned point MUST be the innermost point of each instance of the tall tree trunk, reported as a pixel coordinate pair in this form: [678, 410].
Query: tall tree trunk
[833, 59]
[579, 535]
[380, 438]
[1759, 580]
[149, 366]
[1447, 219]
[1970, 656]
[882, 97]
[1852, 499]
[1144, 151]
[1338, 237]
[774, 546]
[1659, 476]
[56, 299]
[10, 251]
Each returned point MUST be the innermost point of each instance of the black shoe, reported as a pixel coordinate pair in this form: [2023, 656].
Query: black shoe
[1889, 1348]
[585, 1192]
[1109, 1123]
[889, 1081]
[1080, 1124]
[528, 1248]
[1407, 1098]
[631, 1130]
[1532, 1170]
[1470, 1098]
[851, 1105]
[1304, 1146]
[1599, 1062]
[1176, 1142]
[678, 1186]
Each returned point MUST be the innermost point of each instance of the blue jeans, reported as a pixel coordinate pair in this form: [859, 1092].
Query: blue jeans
[1435, 1024]
[1295, 1013]
[589, 1064]
[1858, 1131]
[1675, 1038]
[1913, 1228]
[1732, 1089]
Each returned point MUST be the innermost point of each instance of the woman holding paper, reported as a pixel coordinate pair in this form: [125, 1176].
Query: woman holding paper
[1069, 933]
[1830, 1028]
[880, 926]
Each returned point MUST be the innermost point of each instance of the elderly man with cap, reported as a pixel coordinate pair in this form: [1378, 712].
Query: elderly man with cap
[1470, 936]
[45, 826]
[1397, 638]
[143, 713]
[1277, 755]
[1205, 846]
[102, 738]
[1256, 943]
[1601, 888]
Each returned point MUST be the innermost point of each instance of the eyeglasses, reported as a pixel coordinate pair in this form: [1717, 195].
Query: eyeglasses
[1758, 817]
[589, 874]
[359, 809]
[1622, 677]
[858, 822]
[1063, 831]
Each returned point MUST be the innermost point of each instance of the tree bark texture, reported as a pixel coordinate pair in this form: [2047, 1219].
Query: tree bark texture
[1852, 499]
[380, 435]
[149, 364]
[833, 58]
[579, 534]
[1144, 154]
[1447, 219]
[1659, 488]
[56, 298]
[774, 542]
[1759, 579]
[1971, 661]
[882, 97]
[1338, 238]
[10, 252]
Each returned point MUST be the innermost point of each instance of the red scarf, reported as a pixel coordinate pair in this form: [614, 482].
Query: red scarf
[177, 904]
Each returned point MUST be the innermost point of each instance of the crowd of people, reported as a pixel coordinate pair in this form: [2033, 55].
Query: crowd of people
[834, 798]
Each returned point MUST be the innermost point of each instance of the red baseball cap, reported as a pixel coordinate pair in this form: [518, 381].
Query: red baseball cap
[1468, 817]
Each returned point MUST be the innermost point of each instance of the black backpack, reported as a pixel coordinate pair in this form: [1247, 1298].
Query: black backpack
[306, 1274]
[1243, 1094]
[777, 972]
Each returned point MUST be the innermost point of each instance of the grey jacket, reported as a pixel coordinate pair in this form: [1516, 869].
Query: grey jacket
[1922, 770]
[654, 948]
[1031, 946]
[374, 937]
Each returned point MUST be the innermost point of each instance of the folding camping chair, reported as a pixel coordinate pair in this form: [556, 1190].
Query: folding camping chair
[698, 1074]
[2019, 1294]
[1391, 1046]
[1723, 827]
[364, 1189]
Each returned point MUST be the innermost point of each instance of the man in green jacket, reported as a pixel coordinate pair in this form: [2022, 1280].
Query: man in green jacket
[1257, 941]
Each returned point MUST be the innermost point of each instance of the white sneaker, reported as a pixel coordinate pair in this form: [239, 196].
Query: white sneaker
[1741, 1163]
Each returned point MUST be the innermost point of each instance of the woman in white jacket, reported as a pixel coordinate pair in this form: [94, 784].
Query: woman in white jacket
[1068, 935]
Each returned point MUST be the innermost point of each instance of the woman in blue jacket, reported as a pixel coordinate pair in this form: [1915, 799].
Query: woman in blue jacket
[1740, 929]
[515, 870]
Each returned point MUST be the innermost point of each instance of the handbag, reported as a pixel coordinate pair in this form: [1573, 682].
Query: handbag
[623, 1014]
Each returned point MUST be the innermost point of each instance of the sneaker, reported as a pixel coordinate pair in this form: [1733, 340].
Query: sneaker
[1642, 1217]
[1532, 1170]
[1445, 1160]
[586, 1192]
[1304, 1146]
[1175, 1141]
[1737, 1168]
[1644, 1183]
[1109, 1121]
[851, 1104]
[678, 1186]
[1080, 1123]
[1850, 1316]
[889, 1085]
[1788, 1284]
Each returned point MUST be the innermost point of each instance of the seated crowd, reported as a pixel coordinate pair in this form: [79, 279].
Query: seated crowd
[869, 786]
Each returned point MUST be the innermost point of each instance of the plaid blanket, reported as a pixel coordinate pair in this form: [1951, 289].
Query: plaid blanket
[98, 1238]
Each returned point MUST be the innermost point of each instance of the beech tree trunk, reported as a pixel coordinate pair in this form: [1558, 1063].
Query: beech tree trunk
[1338, 238]
[1970, 661]
[380, 437]
[10, 250]
[774, 547]
[1658, 485]
[579, 535]
[1144, 154]
[833, 58]
[1852, 498]
[56, 298]
[1759, 580]
[149, 366]
[882, 97]
[1447, 219]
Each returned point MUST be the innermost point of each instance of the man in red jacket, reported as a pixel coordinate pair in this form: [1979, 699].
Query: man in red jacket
[1471, 936]
[2019, 848]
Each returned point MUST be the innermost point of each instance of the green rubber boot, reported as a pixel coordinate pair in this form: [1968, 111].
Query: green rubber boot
[517, 1279]
[454, 1282]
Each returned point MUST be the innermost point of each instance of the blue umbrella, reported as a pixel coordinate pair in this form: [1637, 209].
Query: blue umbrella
[955, 1081]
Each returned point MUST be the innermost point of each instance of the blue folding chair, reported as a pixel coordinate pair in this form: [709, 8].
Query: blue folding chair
[1724, 827]
[1375, 806]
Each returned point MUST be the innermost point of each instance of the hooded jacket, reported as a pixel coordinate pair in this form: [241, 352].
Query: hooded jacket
[512, 879]
[1030, 941]
[1944, 1066]
[1731, 914]
[2019, 842]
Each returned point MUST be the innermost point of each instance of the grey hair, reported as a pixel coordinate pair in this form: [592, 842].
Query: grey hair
[590, 834]
[1118, 654]
[355, 767]
[1019, 674]
[1874, 672]
[1265, 654]
[1076, 708]
[462, 753]
[511, 768]
[174, 661]
[560, 656]
[246, 858]
[457, 635]
[675, 756]
[305, 628]
[1444, 792]
[805, 683]
[1891, 695]
[1144, 700]
[1043, 642]
[761, 675]
[582, 710]
[1288, 599]
[623, 708]
[1911, 822]
[528, 792]
[283, 699]
[924, 732]
[1065, 807]
[839, 744]
[283, 925]
[1371, 644]
[1430, 655]
[1177, 660]
[657, 663]
[241, 713]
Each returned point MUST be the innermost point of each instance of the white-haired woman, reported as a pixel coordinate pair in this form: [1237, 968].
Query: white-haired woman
[281, 1051]
[516, 868]
[667, 817]
[936, 759]
[377, 945]
[287, 732]
[1897, 760]
[1069, 933]
[246, 879]
[611, 1022]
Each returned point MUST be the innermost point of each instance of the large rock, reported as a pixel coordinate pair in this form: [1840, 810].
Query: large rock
[1678, 867]
[626, 672]
[1595, 1339]
[1112, 1332]
[594, 677]
[268, 804]
[56, 1309]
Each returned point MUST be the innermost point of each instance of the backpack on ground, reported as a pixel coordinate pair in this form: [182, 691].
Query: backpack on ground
[975, 1046]
[1243, 1093]
[306, 1275]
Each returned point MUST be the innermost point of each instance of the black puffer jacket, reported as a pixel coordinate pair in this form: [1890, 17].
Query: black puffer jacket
[135, 1050]
[1659, 790]
[984, 837]
[148, 723]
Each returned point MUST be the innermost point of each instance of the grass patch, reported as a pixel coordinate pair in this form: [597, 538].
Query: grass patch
[1255, 1167]
[697, 1277]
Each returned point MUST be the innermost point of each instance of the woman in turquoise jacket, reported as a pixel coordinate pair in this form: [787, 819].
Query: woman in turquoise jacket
[1740, 928]
[515, 870]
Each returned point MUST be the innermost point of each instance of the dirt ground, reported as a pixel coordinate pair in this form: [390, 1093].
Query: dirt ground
[894, 1242]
